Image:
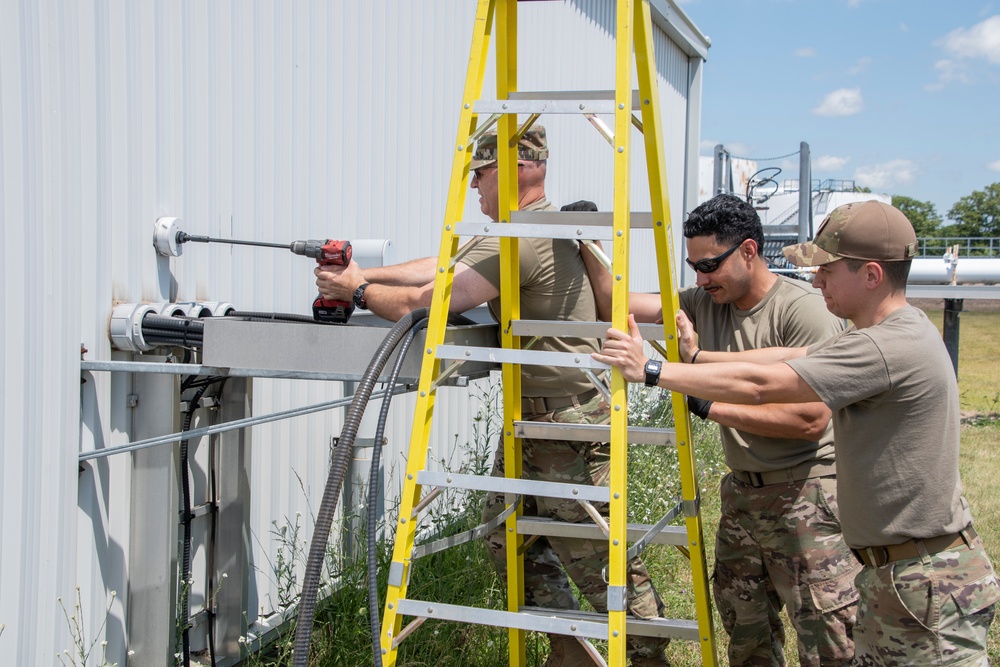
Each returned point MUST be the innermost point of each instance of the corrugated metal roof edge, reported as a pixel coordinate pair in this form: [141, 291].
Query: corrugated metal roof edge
[679, 26]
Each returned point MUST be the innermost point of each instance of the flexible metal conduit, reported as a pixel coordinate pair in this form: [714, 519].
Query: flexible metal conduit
[373, 488]
[335, 480]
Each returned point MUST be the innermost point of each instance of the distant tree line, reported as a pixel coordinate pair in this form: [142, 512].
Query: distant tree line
[976, 215]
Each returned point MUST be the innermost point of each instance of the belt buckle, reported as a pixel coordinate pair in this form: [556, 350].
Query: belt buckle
[871, 551]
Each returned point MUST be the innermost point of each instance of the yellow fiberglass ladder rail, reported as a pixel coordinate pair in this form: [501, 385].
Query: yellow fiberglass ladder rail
[477, 116]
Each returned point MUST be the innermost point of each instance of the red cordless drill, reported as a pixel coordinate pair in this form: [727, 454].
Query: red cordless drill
[327, 253]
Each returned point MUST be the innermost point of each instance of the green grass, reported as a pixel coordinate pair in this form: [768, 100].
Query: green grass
[978, 365]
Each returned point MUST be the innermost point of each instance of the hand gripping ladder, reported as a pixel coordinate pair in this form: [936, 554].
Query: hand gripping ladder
[634, 27]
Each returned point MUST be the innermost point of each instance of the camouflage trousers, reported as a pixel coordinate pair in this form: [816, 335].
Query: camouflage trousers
[548, 560]
[781, 545]
[932, 610]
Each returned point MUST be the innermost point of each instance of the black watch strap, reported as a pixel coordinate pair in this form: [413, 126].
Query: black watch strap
[359, 297]
[653, 372]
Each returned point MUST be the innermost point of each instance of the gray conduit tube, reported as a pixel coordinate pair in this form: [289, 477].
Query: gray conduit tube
[383, 416]
[335, 480]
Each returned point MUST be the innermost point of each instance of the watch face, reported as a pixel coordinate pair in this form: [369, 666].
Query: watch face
[652, 372]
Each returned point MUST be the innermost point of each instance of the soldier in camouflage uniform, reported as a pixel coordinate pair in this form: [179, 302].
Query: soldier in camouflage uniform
[553, 285]
[927, 590]
[779, 542]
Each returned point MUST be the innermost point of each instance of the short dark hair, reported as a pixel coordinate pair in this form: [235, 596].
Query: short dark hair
[896, 273]
[727, 217]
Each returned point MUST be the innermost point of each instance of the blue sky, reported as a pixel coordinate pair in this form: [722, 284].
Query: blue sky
[902, 96]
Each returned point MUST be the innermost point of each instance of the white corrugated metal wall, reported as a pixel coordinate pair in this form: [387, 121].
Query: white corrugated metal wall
[269, 121]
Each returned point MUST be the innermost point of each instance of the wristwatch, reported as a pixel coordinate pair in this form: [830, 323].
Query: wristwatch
[653, 372]
[359, 297]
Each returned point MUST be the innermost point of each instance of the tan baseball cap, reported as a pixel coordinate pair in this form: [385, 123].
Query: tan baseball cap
[868, 230]
[532, 146]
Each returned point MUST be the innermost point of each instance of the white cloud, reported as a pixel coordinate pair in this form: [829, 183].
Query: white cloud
[949, 71]
[805, 52]
[860, 66]
[853, 3]
[830, 163]
[904, 28]
[841, 102]
[995, 166]
[887, 175]
[740, 150]
[981, 41]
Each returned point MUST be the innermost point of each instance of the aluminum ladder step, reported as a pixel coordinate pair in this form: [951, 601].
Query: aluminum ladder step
[573, 225]
[561, 329]
[555, 102]
[591, 625]
[524, 487]
[671, 535]
[637, 435]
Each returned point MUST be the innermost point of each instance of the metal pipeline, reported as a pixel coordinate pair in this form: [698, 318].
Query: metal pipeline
[952, 270]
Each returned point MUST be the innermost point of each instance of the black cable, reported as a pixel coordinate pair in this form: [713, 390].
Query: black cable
[186, 539]
[373, 484]
[213, 493]
[170, 341]
[162, 322]
[338, 469]
[274, 317]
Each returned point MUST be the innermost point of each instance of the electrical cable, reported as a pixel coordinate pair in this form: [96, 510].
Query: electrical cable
[213, 495]
[338, 469]
[186, 539]
[187, 332]
[373, 487]
[250, 316]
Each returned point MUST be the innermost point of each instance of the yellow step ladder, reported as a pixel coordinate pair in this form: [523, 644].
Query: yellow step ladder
[634, 27]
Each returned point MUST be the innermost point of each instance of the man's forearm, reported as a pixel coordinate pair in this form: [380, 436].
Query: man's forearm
[763, 355]
[393, 302]
[415, 273]
[799, 421]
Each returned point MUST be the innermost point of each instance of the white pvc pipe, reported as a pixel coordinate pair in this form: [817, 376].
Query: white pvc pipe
[371, 253]
[950, 270]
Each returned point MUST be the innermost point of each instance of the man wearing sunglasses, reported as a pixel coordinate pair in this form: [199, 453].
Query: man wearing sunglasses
[779, 541]
[927, 591]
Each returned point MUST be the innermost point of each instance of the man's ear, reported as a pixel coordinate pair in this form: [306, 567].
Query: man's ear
[874, 274]
[749, 250]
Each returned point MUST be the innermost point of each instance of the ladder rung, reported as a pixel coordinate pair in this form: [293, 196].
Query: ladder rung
[651, 627]
[637, 219]
[561, 101]
[524, 487]
[674, 535]
[593, 629]
[637, 435]
[499, 355]
[563, 328]
[592, 625]
[532, 231]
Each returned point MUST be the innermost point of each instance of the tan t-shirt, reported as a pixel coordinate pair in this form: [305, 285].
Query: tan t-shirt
[894, 396]
[554, 286]
[791, 314]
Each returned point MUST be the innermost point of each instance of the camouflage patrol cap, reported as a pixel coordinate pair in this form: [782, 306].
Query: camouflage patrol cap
[868, 230]
[532, 146]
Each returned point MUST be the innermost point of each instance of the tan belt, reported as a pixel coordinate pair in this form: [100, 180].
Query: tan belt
[539, 405]
[806, 470]
[880, 556]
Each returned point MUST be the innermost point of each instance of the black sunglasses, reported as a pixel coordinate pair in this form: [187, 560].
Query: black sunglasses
[711, 264]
